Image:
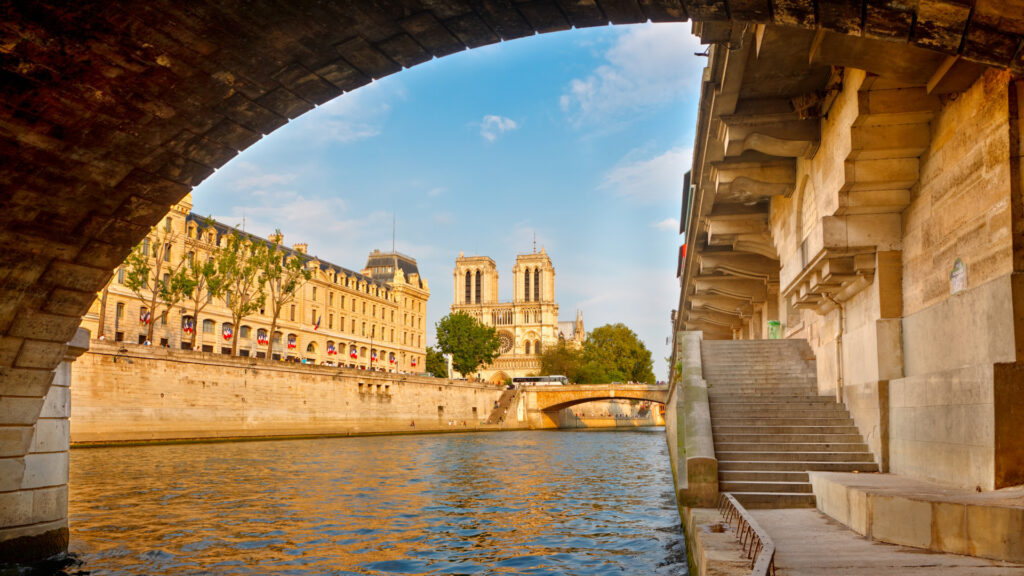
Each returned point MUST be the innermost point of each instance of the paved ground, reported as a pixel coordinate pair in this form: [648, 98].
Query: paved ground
[809, 543]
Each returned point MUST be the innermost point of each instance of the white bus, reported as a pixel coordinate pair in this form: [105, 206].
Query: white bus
[540, 381]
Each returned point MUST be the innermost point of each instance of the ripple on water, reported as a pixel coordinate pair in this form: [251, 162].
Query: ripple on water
[567, 503]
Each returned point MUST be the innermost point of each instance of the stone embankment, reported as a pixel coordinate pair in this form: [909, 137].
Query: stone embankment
[127, 393]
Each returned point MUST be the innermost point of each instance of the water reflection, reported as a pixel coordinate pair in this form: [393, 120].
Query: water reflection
[511, 503]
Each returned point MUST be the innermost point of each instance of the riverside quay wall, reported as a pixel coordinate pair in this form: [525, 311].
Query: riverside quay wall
[143, 393]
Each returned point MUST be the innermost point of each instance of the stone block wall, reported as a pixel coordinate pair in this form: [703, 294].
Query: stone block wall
[140, 393]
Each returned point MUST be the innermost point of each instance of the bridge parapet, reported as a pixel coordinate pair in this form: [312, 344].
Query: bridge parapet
[543, 402]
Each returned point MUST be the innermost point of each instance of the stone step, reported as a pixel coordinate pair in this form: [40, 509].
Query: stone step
[778, 411]
[785, 429]
[789, 447]
[761, 400]
[777, 456]
[764, 486]
[785, 394]
[762, 388]
[717, 421]
[761, 500]
[761, 476]
[795, 466]
[800, 438]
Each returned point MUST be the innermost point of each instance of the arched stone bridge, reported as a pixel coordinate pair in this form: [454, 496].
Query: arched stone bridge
[542, 403]
[110, 112]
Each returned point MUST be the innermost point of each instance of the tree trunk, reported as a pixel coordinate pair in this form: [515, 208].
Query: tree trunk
[270, 339]
[234, 335]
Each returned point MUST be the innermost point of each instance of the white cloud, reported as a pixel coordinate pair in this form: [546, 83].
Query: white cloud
[649, 180]
[493, 126]
[666, 224]
[436, 191]
[254, 180]
[353, 116]
[647, 66]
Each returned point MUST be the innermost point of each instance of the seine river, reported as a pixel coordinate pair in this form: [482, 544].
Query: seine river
[565, 502]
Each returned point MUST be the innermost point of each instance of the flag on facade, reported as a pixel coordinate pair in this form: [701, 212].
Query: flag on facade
[291, 341]
[413, 361]
[373, 356]
[318, 319]
[227, 332]
[330, 348]
[144, 317]
[353, 354]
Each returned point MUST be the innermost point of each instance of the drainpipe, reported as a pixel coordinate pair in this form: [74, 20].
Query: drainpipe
[839, 347]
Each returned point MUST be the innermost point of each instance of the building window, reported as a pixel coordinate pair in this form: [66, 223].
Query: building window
[330, 321]
[364, 307]
[244, 332]
[478, 287]
[527, 346]
[536, 284]
[373, 331]
[526, 286]
[292, 314]
[191, 258]
[353, 330]
[163, 318]
[120, 275]
[536, 347]
[314, 292]
[227, 299]
[119, 314]
[330, 298]
[469, 288]
[167, 252]
[145, 246]
[208, 326]
[167, 224]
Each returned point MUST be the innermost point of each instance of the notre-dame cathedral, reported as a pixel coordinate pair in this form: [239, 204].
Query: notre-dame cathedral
[526, 324]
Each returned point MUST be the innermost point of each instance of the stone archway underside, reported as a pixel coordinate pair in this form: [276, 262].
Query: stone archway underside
[110, 112]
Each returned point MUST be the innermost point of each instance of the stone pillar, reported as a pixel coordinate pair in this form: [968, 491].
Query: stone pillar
[34, 438]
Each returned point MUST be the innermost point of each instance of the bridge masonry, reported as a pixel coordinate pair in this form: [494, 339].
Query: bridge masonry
[112, 112]
[543, 404]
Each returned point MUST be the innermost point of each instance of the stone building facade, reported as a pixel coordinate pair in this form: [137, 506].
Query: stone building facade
[874, 209]
[527, 324]
[370, 319]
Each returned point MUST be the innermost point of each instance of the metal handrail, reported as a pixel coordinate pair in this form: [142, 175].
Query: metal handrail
[757, 544]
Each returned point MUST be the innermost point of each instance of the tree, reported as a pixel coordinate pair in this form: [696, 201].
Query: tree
[436, 364]
[561, 359]
[614, 353]
[205, 284]
[240, 265]
[151, 276]
[284, 277]
[470, 343]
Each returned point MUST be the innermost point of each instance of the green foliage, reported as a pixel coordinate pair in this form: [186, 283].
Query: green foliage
[155, 281]
[240, 264]
[562, 359]
[283, 277]
[204, 283]
[611, 353]
[614, 353]
[436, 363]
[470, 343]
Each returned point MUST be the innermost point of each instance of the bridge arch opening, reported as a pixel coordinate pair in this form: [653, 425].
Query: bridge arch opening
[102, 143]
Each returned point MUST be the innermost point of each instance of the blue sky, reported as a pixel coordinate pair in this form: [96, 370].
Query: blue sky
[580, 137]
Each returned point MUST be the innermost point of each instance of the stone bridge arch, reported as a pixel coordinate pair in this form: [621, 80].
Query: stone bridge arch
[543, 403]
[111, 112]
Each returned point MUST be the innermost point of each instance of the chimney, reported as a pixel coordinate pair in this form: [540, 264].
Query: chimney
[301, 247]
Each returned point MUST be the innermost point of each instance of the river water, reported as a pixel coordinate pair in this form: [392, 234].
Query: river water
[530, 502]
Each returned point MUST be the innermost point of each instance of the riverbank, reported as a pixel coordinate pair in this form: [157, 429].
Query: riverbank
[125, 394]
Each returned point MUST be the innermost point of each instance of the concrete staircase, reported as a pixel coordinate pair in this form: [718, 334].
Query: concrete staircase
[770, 425]
[498, 414]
